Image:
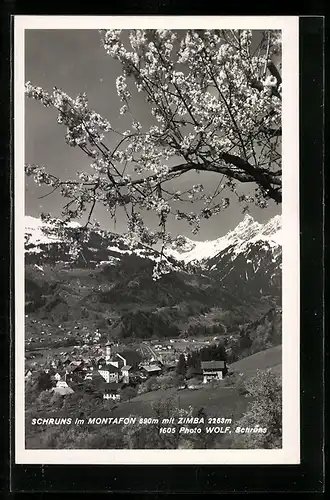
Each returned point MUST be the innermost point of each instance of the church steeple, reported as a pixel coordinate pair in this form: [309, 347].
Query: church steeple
[108, 352]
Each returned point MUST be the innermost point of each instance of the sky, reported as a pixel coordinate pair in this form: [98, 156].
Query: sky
[76, 62]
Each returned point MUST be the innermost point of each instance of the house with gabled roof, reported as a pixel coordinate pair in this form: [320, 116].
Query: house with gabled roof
[109, 372]
[151, 370]
[58, 376]
[213, 370]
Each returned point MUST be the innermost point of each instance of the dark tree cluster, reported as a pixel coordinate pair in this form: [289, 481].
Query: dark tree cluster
[192, 365]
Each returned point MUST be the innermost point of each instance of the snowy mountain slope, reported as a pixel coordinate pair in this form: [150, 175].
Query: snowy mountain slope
[252, 266]
[35, 235]
[246, 232]
[102, 247]
[106, 246]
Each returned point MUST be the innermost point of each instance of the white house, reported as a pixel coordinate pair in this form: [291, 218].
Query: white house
[109, 372]
[61, 383]
[213, 370]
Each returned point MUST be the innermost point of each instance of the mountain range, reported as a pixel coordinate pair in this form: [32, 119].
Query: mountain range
[232, 280]
[246, 233]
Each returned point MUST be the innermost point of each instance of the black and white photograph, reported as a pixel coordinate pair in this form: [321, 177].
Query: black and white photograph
[157, 240]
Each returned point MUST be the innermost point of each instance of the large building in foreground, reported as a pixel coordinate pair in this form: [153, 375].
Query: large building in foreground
[213, 370]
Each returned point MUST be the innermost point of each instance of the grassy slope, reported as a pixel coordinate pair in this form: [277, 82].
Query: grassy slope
[220, 402]
[270, 358]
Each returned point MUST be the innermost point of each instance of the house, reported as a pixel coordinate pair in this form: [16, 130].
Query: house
[111, 391]
[109, 372]
[100, 360]
[125, 373]
[61, 383]
[151, 370]
[28, 374]
[62, 388]
[61, 375]
[74, 364]
[77, 371]
[89, 376]
[96, 378]
[63, 391]
[129, 357]
[213, 370]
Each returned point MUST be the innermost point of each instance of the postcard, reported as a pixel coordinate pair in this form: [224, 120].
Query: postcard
[156, 240]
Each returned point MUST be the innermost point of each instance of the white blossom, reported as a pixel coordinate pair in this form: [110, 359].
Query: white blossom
[208, 100]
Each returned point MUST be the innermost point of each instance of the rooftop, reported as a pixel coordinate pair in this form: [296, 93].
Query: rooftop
[63, 390]
[132, 357]
[215, 365]
[108, 367]
[151, 368]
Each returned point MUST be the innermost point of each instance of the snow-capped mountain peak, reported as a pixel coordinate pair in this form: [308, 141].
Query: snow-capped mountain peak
[247, 231]
[273, 230]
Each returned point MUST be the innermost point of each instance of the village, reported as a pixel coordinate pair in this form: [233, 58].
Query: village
[112, 366]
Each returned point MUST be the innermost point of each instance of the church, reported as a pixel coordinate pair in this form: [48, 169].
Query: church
[115, 367]
[108, 368]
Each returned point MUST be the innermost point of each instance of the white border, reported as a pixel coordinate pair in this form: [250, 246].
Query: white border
[290, 453]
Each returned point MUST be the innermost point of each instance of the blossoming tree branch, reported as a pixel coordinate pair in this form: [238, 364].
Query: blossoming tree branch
[215, 106]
